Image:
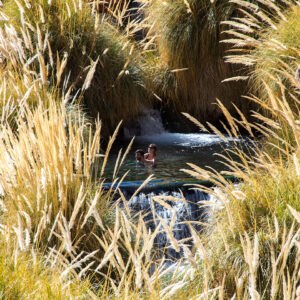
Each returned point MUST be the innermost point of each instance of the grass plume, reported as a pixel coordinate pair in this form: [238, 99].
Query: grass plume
[275, 48]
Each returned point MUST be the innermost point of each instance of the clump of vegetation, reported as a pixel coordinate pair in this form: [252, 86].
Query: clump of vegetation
[26, 275]
[52, 204]
[52, 33]
[190, 68]
[60, 226]
[275, 48]
[252, 248]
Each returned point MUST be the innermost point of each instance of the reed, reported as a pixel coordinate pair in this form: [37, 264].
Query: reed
[63, 235]
[25, 275]
[51, 201]
[52, 204]
[251, 249]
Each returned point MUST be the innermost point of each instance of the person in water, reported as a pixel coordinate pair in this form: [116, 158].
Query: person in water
[140, 156]
[151, 156]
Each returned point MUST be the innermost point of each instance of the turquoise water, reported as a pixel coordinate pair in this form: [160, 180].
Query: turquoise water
[175, 150]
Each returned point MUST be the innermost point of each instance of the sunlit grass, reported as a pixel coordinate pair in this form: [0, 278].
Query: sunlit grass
[63, 235]
[26, 275]
[68, 40]
[251, 249]
[52, 203]
[275, 48]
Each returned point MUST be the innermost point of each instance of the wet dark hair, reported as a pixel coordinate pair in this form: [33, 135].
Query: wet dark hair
[140, 151]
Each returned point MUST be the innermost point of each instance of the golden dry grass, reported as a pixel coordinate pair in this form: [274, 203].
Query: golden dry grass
[251, 250]
[268, 43]
[70, 34]
[58, 225]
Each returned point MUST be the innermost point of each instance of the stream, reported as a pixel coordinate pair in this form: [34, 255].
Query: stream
[183, 205]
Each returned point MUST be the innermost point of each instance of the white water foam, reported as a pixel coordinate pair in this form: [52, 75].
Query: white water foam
[150, 123]
[182, 139]
[175, 218]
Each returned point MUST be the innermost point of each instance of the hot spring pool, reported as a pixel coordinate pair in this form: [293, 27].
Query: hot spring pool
[175, 150]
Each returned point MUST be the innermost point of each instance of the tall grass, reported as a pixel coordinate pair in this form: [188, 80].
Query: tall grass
[61, 226]
[25, 275]
[52, 204]
[190, 68]
[251, 249]
[275, 48]
[52, 33]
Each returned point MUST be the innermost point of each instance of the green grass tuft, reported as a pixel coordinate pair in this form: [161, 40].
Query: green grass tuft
[25, 275]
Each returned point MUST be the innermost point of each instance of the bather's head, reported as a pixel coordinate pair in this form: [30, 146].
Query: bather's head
[152, 149]
[139, 155]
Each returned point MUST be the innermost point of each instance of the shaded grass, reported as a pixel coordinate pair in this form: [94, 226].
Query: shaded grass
[191, 66]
